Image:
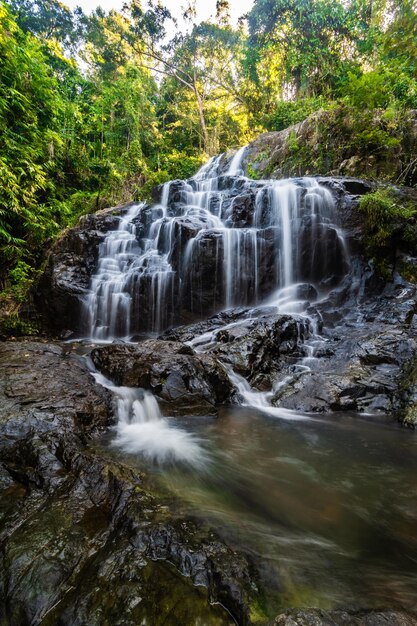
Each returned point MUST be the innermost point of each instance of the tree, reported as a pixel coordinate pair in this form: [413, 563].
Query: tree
[29, 104]
[48, 20]
[300, 44]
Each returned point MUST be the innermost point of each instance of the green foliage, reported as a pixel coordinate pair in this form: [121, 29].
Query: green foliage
[369, 90]
[252, 173]
[20, 280]
[287, 113]
[29, 105]
[14, 326]
[383, 211]
[387, 224]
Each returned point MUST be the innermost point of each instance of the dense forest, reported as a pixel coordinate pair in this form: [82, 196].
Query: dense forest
[97, 109]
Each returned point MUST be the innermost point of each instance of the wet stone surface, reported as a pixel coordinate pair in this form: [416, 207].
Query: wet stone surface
[83, 541]
[185, 383]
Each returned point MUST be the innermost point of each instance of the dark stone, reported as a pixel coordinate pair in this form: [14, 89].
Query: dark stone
[366, 365]
[240, 214]
[187, 333]
[260, 348]
[202, 287]
[84, 541]
[184, 382]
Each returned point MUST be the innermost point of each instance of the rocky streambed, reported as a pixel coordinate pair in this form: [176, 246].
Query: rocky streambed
[86, 537]
[83, 540]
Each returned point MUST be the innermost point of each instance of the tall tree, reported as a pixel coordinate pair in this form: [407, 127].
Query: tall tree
[29, 105]
[299, 43]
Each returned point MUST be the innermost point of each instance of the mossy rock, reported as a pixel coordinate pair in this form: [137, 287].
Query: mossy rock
[410, 418]
[341, 140]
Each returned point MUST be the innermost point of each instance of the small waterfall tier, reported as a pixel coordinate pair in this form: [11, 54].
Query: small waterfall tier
[215, 241]
[142, 430]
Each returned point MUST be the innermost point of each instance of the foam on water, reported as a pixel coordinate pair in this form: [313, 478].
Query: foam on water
[142, 430]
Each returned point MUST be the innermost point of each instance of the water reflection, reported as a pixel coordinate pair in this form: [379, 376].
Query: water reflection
[329, 507]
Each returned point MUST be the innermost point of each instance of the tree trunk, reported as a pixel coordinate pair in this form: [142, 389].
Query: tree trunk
[203, 125]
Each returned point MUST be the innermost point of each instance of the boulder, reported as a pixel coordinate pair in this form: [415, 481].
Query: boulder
[361, 366]
[262, 347]
[184, 382]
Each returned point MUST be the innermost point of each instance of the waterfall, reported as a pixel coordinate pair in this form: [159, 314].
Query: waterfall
[143, 431]
[108, 306]
[235, 164]
[212, 242]
[260, 400]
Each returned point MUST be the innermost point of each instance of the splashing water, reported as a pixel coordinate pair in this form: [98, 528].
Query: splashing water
[142, 430]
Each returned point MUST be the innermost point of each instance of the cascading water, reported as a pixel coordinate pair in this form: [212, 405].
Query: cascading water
[236, 162]
[215, 241]
[142, 430]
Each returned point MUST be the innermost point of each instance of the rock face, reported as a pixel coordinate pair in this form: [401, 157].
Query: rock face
[362, 361]
[204, 251]
[343, 618]
[62, 286]
[329, 142]
[361, 364]
[257, 346]
[83, 541]
[184, 383]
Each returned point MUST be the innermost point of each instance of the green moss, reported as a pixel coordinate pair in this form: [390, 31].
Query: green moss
[252, 173]
[256, 614]
[387, 229]
[383, 210]
[410, 418]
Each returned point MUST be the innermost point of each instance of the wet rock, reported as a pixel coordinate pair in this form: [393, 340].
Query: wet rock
[184, 382]
[48, 384]
[261, 347]
[240, 214]
[177, 189]
[83, 539]
[367, 367]
[188, 332]
[319, 617]
[202, 289]
[322, 255]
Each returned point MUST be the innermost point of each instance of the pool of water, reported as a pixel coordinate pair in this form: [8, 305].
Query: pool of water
[327, 507]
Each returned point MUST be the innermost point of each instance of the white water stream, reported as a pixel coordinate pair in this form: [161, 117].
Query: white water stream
[141, 429]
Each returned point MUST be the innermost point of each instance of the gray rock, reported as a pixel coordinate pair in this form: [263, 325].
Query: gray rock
[185, 383]
[84, 541]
